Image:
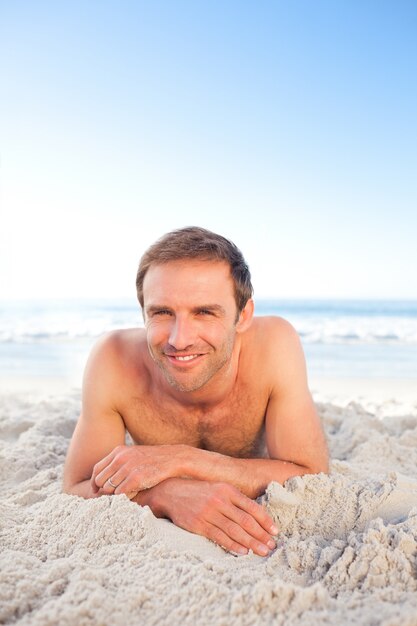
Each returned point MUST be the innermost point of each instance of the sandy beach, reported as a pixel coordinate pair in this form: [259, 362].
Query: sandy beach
[346, 551]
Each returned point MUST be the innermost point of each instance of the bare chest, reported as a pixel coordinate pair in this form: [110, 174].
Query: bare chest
[236, 428]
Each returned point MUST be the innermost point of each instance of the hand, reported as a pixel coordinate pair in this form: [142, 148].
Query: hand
[134, 468]
[217, 511]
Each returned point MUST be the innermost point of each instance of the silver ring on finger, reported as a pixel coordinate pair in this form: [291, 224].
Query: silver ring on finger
[109, 480]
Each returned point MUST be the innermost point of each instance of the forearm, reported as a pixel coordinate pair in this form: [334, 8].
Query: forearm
[82, 489]
[250, 476]
[136, 468]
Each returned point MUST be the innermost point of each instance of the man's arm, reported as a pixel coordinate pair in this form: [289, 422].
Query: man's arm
[294, 436]
[100, 427]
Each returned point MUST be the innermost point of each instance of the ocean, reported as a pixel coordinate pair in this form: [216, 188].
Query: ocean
[341, 338]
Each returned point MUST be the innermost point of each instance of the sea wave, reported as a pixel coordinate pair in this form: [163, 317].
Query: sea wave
[26, 323]
[312, 330]
[354, 330]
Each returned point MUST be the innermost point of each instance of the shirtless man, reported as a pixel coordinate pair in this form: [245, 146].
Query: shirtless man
[215, 400]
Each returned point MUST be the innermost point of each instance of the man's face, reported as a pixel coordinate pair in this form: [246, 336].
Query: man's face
[190, 317]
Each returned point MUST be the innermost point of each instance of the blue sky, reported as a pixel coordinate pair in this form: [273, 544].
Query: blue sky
[289, 127]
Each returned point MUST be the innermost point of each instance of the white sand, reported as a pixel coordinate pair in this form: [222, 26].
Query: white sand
[347, 551]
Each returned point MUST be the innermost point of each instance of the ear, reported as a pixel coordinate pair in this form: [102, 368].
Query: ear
[245, 317]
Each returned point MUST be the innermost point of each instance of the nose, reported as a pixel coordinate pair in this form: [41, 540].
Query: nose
[182, 334]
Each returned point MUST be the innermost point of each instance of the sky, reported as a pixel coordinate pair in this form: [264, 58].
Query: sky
[289, 127]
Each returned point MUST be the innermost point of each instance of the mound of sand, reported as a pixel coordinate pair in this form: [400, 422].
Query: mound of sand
[347, 551]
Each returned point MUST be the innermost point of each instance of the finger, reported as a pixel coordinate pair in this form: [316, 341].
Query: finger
[216, 534]
[225, 540]
[250, 519]
[113, 469]
[135, 481]
[110, 481]
[141, 478]
[116, 480]
[100, 465]
[98, 475]
[94, 487]
[256, 511]
[258, 541]
[108, 487]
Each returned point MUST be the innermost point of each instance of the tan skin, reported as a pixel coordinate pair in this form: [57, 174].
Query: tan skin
[216, 402]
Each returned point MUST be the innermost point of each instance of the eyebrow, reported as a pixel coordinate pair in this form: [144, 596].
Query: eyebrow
[214, 308]
[155, 307]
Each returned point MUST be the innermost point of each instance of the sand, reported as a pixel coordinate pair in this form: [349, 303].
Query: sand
[346, 554]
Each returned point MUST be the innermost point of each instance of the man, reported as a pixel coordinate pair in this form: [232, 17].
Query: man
[215, 400]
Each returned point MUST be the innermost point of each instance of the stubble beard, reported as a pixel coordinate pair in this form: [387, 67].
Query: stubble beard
[215, 362]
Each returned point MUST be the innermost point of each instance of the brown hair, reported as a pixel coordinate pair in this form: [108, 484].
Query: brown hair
[194, 242]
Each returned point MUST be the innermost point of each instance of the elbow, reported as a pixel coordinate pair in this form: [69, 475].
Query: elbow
[318, 467]
[323, 468]
[82, 489]
[319, 462]
[68, 484]
[68, 489]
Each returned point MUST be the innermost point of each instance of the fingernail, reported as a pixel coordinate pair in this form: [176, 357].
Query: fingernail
[241, 550]
[263, 550]
[274, 530]
[271, 544]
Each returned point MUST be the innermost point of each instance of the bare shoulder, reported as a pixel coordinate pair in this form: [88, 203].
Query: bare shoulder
[271, 330]
[276, 348]
[116, 356]
[119, 342]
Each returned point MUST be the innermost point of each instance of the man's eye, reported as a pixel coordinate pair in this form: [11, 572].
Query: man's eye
[161, 312]
[205, 312]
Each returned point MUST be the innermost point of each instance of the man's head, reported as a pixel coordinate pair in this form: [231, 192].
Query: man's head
[203, 245]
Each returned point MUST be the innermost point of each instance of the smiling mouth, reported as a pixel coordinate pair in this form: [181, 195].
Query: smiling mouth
[187, 358]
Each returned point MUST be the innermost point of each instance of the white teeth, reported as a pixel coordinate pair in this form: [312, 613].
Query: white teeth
[186, 358]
